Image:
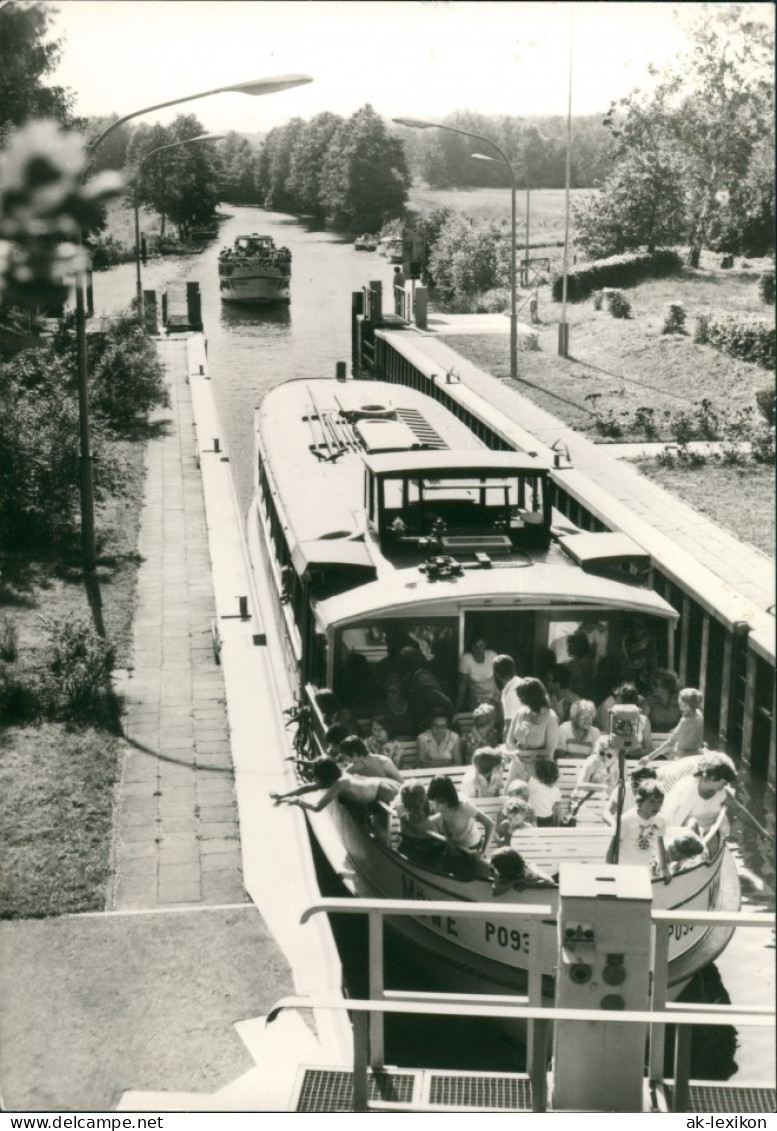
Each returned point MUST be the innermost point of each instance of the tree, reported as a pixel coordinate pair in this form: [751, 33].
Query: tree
[365, 178]
[468, 257]
[307, 160]
[684, 150]
[112, 153]
[26, 58]
[181, 184]
[238, 170]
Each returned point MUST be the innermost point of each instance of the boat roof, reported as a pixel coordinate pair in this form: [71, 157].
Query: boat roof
[528, 587]
[321, 496]
[454, 463]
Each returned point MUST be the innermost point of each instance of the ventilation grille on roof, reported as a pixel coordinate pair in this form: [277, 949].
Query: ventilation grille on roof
[420, 428]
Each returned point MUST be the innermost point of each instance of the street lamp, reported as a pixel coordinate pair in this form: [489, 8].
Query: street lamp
[136, 203]
[88, 549]
[418, 124]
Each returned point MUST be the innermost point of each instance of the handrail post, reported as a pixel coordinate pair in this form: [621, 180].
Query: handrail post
[682, 1066]
[375, 965]
[534, 991]
[537, 1064]
[360, 1032]
[657, 1037]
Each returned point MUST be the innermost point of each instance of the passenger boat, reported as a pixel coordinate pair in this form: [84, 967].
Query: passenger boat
[365, 243]
[380, 516]
[254, 270]
[392, 247]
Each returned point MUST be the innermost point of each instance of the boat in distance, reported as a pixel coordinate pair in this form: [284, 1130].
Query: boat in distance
[365, 242]
[380, 518]
[254, 271]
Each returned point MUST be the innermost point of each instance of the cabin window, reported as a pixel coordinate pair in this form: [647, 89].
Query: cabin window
[504, 503]
[365, 657]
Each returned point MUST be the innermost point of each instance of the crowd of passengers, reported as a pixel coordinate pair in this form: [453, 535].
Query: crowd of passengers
[520, 727]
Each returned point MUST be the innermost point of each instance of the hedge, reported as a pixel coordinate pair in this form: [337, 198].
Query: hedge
[749, 339]
[616, 271]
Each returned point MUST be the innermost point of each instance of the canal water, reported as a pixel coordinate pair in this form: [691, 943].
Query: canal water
[251, 350]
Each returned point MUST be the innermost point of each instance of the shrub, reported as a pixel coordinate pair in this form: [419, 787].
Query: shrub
[618, 305]
[598, 299]
[748, 339]
[616, 271]
[765, 399]
[701, 334]
[73, 678]
[674, 319]
[9, 639]
[645, 421]
[762, 443]
[607, 424]
[766, 287]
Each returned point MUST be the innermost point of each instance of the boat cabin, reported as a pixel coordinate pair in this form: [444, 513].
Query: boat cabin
[463, 503]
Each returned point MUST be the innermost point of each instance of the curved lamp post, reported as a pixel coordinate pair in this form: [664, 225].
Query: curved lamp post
[136, 204]
[418, 124]
[88, 549]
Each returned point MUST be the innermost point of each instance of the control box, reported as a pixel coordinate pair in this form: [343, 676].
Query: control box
[604, 940]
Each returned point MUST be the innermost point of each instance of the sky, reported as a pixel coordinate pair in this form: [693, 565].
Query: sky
[413, 58]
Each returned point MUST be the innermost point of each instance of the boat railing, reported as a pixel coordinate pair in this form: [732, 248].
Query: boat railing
[368, 1014]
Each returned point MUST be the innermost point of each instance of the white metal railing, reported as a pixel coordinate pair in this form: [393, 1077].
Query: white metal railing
[368, 1014]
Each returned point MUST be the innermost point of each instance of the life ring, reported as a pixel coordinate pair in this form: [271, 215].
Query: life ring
[375, 412]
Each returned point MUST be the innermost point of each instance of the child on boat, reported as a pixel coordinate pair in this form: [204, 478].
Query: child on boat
[485, 777]
[462, 824]
[367, 765]
[642, 830]
[545, 794]
[511, 870]
[483, 732]
[637, 776]
[381, 739]
[420, 836]
[515, 814]
[338, 783]
[688, 736]
[681, 851]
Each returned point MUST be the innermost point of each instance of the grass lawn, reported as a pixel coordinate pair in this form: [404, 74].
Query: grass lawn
[57, 781]
[546, 208]
[617, 365]
[739, 498]
[57, 788]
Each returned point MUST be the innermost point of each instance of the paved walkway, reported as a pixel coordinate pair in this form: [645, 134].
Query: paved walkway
[176, 830]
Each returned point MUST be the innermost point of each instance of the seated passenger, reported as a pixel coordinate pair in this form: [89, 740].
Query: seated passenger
[607, 679]
[637, 776]
[511, 870]
[419, 830]
[661, 705]
[578, 736]
[483, 732]
[365, 764]
[425, 694]
[332, 710]
[381, 740]
[599, 772]
[533, 731]
[544, 794]
[516, 813]
[338, 783]
[560, 695]
[462, 824]
[641, 830]
[485, 777]
[627, 694]
[439, 745]
[395, 707]
[682, 850]
[581, 664]
[476, 676]
[688, 736]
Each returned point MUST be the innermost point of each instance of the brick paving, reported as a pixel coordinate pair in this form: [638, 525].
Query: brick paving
[176, 834]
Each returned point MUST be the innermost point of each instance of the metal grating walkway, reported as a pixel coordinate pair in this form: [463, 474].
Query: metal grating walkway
[331, 1090]
[727, 1099]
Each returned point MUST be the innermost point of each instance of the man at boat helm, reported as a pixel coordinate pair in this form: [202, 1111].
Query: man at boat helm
[507, 682]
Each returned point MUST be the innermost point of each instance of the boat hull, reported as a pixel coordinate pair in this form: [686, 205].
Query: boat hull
[491, 955]
[252, 288]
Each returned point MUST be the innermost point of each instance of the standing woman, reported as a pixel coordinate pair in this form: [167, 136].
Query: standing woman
[533, 732]
[476, 676]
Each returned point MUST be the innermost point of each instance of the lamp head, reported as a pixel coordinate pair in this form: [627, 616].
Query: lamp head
[268, 86]
[417, 123]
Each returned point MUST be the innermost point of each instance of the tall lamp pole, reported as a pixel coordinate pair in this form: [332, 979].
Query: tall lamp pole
[136, 204]
[416, 123]
[563, 330]
[86, 474]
